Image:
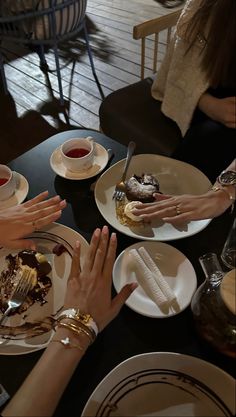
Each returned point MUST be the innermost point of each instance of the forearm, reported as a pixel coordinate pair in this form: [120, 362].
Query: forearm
[41, 391]
[207, 104]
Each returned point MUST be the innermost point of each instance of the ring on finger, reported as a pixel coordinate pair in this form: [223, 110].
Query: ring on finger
[177, 209]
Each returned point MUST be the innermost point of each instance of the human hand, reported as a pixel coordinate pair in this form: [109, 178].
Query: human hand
[222, 110]
[89, 285]
[190, 207]
[19, 221]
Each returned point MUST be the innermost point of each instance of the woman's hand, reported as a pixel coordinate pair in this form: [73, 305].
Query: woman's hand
[19, 221]
[222, 110]
[190, 207]
[89, 285]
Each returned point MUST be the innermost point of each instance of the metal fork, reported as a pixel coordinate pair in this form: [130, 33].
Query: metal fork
[120, 188]
[20, 292]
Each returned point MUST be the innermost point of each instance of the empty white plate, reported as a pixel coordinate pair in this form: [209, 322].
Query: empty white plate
[163, 384]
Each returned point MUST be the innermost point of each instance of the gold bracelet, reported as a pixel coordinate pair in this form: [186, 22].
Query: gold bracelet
[81, 329]
[76, 330]
[218, 187]
[67, 326]
[77, 320]
[67, 343]
[84, 318]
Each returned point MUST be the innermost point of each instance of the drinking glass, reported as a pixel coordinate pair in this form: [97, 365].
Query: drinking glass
[228, 254]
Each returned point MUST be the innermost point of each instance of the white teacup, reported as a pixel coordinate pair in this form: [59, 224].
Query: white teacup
[78, 154]
[8, 182]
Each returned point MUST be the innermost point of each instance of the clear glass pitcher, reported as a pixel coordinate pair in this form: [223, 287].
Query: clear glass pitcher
[214, 321]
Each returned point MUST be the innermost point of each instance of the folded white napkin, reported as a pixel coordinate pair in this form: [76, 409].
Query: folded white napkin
[163, 284]
[146, 279]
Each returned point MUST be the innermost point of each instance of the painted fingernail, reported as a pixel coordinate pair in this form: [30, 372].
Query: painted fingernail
[113, 236]
[105, 229]
[133, 286]
[97, 232]
[63, 203]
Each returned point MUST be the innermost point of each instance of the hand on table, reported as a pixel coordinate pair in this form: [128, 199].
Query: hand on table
[19, 221]
[89, 286]
[184, 208]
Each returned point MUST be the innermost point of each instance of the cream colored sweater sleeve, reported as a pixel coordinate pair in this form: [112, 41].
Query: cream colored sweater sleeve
[180, 81]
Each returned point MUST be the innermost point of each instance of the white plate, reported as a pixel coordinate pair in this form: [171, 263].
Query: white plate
[175, 177]
[100, 161]
[46, 241]
[163, 384]
[19, 195]
[179, 273]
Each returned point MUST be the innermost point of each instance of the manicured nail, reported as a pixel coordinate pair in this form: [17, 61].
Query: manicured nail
[133, 286]
[113, 236]
[105, 229]
[97, 232]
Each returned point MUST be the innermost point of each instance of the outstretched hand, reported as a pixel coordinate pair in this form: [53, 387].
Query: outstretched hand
[89, 285]
[184, 208]
[19, 221]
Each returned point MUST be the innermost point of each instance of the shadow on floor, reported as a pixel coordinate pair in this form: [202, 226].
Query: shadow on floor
[19, 134]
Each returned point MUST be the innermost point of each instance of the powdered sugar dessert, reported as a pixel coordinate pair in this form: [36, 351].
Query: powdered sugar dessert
[141, 188]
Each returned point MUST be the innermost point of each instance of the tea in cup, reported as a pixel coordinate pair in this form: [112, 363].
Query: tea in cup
[8, 182]
[78, 154]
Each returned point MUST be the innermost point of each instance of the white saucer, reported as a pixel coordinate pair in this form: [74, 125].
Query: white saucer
[179, 273]
[19, 195]
[100, 161]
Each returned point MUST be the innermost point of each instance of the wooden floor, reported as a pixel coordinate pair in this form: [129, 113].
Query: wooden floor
[31, 112]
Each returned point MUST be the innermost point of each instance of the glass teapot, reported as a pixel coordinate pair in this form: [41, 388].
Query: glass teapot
[215, 320]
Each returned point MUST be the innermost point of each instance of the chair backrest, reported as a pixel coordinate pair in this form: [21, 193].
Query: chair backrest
[154, 27]
[34, 21]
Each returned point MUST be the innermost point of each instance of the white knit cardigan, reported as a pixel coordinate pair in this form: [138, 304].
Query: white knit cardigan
[180, 81]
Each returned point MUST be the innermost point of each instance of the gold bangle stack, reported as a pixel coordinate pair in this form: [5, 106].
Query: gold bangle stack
[77, 327]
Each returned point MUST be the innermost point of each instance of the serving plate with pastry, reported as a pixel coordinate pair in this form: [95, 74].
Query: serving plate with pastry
[30, 327]
[149, 173]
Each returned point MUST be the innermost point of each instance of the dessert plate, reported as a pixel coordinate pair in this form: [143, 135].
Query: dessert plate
[32, 330]
[100, 161]
[179, 273]
[20, 194]
[175, 177]
[163, 384]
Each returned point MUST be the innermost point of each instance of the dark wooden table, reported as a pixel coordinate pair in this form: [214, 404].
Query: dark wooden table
[130, 333]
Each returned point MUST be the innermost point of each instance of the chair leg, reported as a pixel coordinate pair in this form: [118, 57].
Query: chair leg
[4, 81]
[91, 60]
[43, 63]
[58, 74]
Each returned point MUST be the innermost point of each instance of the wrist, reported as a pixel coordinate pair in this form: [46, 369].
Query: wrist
[68, 339]
[228, 190]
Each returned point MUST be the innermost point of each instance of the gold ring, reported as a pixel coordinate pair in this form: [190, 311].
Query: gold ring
[177, 209]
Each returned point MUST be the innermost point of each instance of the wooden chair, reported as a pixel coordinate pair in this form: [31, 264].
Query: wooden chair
[43, 23]
[131, 113]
